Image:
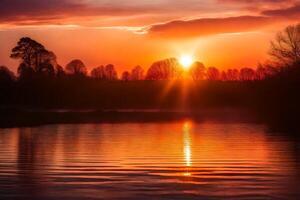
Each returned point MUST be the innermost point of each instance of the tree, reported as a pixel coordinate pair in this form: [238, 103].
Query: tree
[224, 76]
[110, 72]
[25, 72]
[164, 70]
[197, 71]
[28, 51]
[98, 73]
[285, 49]
[271, 71]
[6, 76]
[247, 74]
[232, 74]
[48, 63]
[76, 67]
[104, 73]
[59, 71]
[125, 76]
[260, 73]
[137, 73]
[46, 69]
[213, 74]
[34, 55]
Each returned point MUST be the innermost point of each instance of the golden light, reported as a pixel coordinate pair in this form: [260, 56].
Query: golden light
[187, 147]
[187, 144]
[186, 61]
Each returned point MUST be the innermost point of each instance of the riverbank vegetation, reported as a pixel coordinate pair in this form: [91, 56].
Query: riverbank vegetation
[272, 89]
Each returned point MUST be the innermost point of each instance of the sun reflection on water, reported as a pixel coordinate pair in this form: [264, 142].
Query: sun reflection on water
[187, 147]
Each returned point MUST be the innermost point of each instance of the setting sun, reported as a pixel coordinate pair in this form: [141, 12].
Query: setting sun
[186, 61]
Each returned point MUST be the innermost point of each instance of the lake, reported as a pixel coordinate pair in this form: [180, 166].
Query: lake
[168, 160]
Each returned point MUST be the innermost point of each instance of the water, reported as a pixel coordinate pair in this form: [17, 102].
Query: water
[178, 160]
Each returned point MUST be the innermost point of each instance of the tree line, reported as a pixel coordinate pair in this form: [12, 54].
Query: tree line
[41, 83]
[37, 62]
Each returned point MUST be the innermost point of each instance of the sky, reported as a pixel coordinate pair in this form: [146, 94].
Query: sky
[221, 33]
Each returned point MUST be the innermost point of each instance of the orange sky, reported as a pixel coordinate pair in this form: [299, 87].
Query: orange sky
[221, 33]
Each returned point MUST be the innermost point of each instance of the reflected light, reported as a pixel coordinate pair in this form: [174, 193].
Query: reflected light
[187, 144]
[186, 174]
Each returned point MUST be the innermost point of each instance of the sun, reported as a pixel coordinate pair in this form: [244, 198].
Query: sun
[186, 61]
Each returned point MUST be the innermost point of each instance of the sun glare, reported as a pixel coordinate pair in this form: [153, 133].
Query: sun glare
[186, 61]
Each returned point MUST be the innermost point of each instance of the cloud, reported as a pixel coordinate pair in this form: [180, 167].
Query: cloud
[45, 11]
[212, 26]
[209, 26]
[260, 2]
[255, 1]
[290, 12]
[81, 12]
[260, 5]
[58, 11]
[35, 9]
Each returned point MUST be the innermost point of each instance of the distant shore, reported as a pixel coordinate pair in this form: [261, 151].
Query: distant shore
[34, 117]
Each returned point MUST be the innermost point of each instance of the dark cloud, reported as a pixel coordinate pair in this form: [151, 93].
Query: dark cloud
[41, 11]
[207, 26]
[37, 12]
[290, 12]
[256, 1]
[29, 9]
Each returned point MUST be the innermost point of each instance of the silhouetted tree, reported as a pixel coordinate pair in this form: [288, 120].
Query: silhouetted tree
[271, 70]
[59, 71]
[76, 68]
[34, 55]
[137, 73]
[104, 73]
[224, 76]
[268, 69]
[125, 76]
[260, 73]
[197, 71]
[285, 49]
[46, 69]
[25, 72]
[6, 76]
[213, 74]
[164, 70]
[48, 63]
[98, 73]
[110, 72]
[28, 51]
[247, 74]
[232, 74]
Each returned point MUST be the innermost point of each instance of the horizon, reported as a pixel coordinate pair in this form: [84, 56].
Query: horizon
[127, 34]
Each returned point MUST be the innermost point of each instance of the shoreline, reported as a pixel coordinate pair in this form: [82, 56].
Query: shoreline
[11, 118]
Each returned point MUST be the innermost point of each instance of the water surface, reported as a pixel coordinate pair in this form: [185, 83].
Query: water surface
[176, 160]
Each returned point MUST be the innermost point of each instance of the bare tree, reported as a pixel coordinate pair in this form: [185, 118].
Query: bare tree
[285, 49]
